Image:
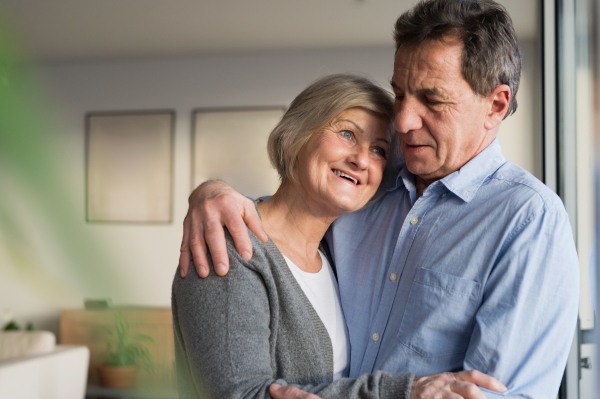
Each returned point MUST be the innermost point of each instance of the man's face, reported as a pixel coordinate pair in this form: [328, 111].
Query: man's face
[438, 117]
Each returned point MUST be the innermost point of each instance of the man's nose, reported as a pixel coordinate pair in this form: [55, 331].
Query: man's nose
[407, 115]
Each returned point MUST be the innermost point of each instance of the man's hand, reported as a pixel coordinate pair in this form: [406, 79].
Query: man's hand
[279, 392]
[461, 385]
[213, 205]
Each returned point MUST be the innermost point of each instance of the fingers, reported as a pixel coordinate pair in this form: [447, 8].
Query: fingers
[184, 251]
[466, 390]
[253, 222]
[215, 240]
[433, 387]
[451, 386]
[461, 385]
[196, 243]
[279, 392]
[237, 228]
[212, 206]
[481, 379]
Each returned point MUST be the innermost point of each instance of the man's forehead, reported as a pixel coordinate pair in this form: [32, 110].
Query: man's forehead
[445, 42]
[431, 67]
[431, 54]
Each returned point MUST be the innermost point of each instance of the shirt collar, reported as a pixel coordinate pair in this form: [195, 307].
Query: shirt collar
[465, 182]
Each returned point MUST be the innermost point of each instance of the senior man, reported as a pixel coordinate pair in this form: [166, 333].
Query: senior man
[467, 261]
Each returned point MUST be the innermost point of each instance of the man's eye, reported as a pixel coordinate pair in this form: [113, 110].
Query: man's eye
[431, 101]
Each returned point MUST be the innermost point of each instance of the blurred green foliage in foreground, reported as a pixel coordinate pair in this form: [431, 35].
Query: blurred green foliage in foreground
[43, 241]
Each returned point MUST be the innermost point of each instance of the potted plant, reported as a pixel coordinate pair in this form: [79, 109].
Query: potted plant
[124, 353]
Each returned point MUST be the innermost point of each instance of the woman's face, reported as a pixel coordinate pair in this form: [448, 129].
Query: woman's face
[341, 166]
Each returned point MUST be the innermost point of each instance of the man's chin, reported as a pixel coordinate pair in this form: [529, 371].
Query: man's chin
[418, 167]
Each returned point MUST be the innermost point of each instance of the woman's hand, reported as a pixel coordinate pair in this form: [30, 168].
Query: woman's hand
[213, 205]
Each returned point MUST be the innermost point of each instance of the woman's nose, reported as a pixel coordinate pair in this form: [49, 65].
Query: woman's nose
[360, 157]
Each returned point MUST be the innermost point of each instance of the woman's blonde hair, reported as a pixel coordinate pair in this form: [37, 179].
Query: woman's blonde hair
[315, 107]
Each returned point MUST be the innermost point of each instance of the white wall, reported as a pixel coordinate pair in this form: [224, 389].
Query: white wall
[141, 259]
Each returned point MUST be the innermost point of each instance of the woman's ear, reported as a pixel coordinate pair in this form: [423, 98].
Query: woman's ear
[499, 100]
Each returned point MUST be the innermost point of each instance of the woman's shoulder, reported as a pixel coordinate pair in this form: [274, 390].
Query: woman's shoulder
[243, 276]
[265, 256]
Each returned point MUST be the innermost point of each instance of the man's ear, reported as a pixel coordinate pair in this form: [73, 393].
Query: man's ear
[498, 100]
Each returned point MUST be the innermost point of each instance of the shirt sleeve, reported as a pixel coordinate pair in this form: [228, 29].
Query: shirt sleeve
[222, 327]
[524, 327]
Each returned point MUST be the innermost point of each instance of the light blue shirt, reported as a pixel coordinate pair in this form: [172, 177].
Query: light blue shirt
[479, 273]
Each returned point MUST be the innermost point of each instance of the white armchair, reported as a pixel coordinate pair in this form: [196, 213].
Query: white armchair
[32, 366]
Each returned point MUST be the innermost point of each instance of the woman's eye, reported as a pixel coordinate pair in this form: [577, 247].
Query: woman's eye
[379, 151]
[347, 134]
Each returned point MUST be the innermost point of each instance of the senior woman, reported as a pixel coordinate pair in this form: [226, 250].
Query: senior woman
[276, 318]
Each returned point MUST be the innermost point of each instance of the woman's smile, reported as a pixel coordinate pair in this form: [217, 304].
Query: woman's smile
[341, 166]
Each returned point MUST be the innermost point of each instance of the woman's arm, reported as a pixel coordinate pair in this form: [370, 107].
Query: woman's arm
[222, 330]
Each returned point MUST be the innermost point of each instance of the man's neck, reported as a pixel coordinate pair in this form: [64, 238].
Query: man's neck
[422, 184]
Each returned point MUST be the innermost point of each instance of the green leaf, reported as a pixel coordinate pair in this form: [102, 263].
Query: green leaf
[125, 349]
[11, 326]
[142, 337]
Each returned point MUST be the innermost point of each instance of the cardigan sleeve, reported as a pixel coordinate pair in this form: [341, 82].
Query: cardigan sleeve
[222, 327]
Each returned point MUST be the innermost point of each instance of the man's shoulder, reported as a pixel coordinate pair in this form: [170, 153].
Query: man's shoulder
[515, 183]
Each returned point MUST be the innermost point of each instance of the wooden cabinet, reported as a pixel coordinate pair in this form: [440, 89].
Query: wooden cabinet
[87, 327]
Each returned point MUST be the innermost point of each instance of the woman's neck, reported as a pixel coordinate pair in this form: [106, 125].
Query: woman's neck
[296, 225]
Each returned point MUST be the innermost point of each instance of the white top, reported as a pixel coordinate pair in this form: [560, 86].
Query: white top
[321, 290]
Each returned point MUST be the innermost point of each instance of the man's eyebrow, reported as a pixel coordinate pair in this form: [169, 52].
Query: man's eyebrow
[434, 91]
[348, 120]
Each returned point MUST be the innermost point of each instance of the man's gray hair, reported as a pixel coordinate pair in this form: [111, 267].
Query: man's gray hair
[490, 55]
[315, 107]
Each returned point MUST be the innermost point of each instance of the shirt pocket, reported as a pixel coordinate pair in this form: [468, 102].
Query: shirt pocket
[439, 314]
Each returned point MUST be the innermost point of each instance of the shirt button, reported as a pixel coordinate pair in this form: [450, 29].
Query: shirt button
[414, 220]
[443, 195]
[375, 337]
[393, 277]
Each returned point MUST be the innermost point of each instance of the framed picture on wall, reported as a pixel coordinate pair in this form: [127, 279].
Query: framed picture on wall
[231, 145]
[129, 162]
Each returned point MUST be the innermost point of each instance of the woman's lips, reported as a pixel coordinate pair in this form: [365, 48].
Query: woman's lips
[347, 176]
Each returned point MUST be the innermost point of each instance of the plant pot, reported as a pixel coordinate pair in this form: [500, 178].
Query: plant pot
[117, 376]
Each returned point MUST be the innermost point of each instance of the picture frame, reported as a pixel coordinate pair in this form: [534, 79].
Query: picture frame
[129, 166]
[230, 144]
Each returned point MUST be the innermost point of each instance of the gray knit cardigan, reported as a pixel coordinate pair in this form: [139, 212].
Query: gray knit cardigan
[236, 335]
